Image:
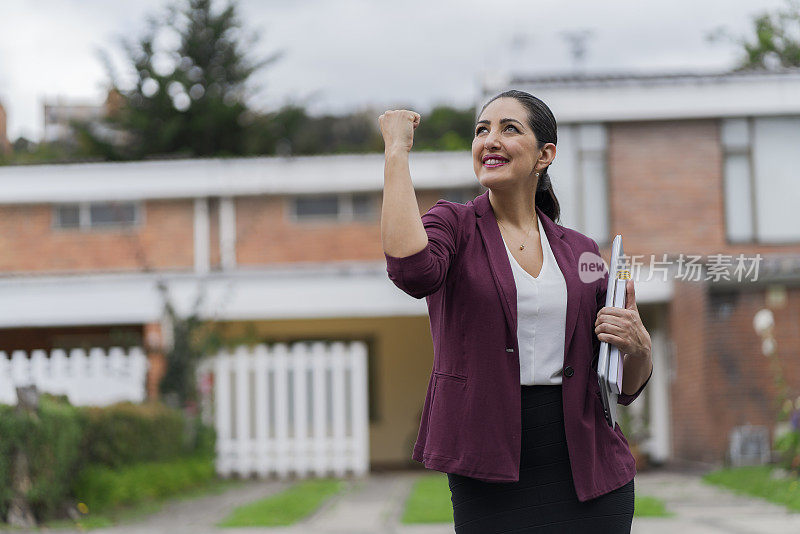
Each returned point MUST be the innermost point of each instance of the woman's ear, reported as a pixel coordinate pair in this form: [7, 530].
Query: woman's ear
[548, 154]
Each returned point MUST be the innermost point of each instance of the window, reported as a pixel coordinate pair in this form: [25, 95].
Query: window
[317, 207]
[760, 189]
[67, 216]
[108, 214]
[345, 207]
[739, 217]
[97, 215]
[363, 206]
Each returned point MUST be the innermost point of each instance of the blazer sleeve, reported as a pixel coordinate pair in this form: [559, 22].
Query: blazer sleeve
[424, 272]
[622, 398]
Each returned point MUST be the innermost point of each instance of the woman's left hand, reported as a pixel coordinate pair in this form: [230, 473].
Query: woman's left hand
[622, 327]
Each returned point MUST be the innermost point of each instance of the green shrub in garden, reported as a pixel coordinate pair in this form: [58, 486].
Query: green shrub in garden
[51, 439]
[788, 446]
[127, 433]
[787, 442]
[116, 454]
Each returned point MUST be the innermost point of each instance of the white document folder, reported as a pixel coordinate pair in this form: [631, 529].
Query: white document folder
[609, 361]
[615, 357]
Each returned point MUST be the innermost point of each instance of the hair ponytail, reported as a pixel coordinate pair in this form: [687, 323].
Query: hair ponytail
[545, 197]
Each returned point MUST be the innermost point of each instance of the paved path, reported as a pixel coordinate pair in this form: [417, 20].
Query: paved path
[374, 504]
[705, 509]
[198, 515]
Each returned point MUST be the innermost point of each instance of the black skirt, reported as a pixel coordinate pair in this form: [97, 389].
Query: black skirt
[544, 498]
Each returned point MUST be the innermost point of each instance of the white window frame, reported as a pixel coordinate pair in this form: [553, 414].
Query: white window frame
[731, 148]
[84, 216]
[344, 214]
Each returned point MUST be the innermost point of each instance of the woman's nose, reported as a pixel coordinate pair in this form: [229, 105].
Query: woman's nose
[491, 141]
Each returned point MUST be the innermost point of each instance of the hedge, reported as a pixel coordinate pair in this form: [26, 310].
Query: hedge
[66, 446]
[51, 440]
[126, 433]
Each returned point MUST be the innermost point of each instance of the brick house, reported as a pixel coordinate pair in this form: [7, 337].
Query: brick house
[284, 249]
[692, 164]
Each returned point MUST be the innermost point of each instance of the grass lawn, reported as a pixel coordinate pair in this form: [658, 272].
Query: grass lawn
[286, 507]
[756, 481]
[429, 502]
[646, 506]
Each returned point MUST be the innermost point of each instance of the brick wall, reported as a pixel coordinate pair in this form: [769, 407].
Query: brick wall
[690, 393]
[30, 244]
[665, 183]
[742, 387]
[666, 189]
[266, 235]
[721, 378]
[165, 240]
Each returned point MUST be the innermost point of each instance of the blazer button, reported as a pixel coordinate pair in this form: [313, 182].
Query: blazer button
[568, 371]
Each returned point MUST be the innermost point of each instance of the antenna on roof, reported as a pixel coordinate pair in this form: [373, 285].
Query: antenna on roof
[576, 39]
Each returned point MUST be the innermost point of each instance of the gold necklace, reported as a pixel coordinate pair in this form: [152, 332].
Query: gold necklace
[522, 246]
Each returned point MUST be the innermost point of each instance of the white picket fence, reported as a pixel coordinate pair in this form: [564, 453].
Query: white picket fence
[299, 409]
[97, 378]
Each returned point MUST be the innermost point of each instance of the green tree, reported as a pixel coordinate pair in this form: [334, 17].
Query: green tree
[190, 98]
[775, 41]
[446, 128]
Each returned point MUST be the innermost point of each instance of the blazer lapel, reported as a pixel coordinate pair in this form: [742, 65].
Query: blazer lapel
[504, 276]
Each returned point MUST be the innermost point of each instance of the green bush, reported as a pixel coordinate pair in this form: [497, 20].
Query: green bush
[788, 446]
[64, 444]
[51, 439]
[205, 439]
[127, 433]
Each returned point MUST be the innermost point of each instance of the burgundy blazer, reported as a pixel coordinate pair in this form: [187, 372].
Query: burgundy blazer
[471, 419]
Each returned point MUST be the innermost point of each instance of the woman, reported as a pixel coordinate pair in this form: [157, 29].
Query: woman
[513, 412]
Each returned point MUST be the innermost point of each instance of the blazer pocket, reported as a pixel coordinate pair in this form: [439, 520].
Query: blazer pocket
[454, 376]
[447, 413]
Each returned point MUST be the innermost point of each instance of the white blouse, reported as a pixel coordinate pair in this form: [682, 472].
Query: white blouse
[541, 318]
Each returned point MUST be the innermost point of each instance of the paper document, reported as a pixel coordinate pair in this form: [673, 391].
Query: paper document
[609, 360]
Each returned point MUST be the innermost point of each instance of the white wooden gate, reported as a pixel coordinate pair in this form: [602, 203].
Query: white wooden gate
[299, 409]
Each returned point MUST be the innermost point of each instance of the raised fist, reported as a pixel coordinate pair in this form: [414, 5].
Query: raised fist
[397, 127]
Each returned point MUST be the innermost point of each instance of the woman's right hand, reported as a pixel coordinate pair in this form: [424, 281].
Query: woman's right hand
[397, 127]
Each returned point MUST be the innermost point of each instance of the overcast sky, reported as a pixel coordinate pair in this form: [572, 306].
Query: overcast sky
[341, 55]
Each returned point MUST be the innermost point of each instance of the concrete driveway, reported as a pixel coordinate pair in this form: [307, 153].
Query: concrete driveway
[373, 505]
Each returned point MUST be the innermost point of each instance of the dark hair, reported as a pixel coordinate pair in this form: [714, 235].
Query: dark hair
[543, 124]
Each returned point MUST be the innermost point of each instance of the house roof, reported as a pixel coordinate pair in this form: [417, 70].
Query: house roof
[626, 96]
[653, 78]
[191, 178]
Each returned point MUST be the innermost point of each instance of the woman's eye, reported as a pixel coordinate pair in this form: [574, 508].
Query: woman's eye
[480, 128]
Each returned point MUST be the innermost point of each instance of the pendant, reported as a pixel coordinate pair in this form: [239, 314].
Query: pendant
[522, 247]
